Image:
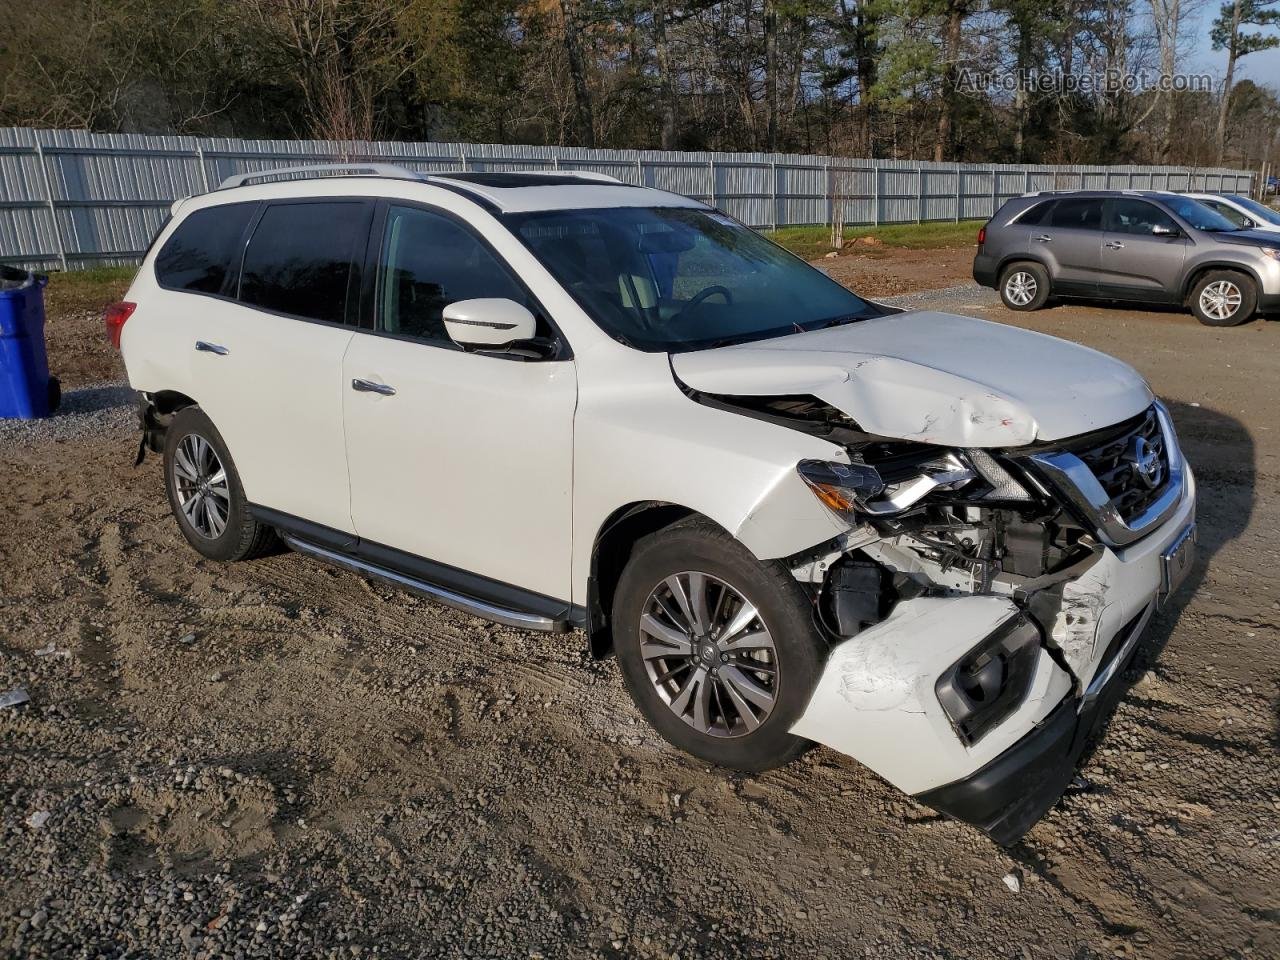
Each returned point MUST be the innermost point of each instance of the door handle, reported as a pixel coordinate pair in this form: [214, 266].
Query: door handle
[368, 386]
[206, 347]
[1043, 238]
[1114, 245]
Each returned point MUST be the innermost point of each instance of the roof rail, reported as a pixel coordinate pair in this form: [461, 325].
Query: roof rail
[358, 169]
[470, 176]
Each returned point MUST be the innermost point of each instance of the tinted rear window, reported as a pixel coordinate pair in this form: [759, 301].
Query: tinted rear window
[1081, 213]
[300, 257]
[199, 254]
[1036, 215]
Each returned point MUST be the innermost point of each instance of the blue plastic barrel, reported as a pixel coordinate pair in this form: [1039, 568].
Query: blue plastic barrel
[26, 389]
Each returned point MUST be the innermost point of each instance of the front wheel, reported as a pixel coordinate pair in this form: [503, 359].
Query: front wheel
[1223, 298]
[719, 651]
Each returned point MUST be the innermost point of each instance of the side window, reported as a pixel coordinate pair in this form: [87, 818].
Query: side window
[1036, 215]
[299, 259]
[201, 250]
[1080, 213]
[1138, 217]
[1231, 213]
[429, 261]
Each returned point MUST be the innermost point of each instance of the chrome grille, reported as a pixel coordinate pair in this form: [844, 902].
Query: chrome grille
[1124, 481]
[1115, 462]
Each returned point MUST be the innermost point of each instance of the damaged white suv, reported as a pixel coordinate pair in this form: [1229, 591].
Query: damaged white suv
[557, 401]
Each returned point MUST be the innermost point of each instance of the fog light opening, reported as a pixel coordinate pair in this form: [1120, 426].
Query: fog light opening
[989, 682]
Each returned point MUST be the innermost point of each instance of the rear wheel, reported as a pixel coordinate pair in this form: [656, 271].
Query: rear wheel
[1024, 286]
[205, 492]
[1223, 298]
[719, 651]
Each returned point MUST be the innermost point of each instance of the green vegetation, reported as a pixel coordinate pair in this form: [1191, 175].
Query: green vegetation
[909, 79]
[87, 290]
[812, 242]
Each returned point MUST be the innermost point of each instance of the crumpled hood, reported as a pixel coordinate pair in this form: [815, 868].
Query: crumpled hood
[933, 378]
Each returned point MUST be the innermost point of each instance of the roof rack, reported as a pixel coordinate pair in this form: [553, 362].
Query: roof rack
[487, 177]
[358, 169]
[1124, 191]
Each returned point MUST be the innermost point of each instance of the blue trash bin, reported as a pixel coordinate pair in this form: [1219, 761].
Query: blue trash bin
[26, 389]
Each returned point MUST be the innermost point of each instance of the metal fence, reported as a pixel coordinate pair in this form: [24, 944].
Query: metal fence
[70, 199]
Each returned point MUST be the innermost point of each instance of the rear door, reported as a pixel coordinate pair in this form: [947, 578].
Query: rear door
[1142, 252]
[269, 363]
[461, 462]
[1070, 243]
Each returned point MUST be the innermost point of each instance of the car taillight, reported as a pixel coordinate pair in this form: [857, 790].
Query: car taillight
[114, 318]
[982, 234]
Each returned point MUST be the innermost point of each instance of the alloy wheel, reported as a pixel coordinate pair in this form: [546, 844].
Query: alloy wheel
[1020, 288]
[1220, 299]
[709, 655]
[200, 482]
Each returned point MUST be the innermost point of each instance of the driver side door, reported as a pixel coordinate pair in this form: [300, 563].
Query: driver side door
[461, 462]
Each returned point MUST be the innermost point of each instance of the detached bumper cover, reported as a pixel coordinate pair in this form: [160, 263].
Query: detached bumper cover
[1005, 798]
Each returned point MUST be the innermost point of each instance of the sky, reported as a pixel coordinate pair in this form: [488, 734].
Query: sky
[1262, 68]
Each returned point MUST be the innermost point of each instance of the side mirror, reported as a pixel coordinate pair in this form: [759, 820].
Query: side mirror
[488, 322]
[1160, 230]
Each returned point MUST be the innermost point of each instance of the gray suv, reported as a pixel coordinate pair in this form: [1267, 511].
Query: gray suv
[1143, 246]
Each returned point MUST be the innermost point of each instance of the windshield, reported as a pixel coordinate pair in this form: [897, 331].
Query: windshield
[673, 279]
[1198, 215]
[1259, 210]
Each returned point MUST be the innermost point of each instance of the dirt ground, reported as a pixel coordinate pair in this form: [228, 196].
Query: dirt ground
[279, 759]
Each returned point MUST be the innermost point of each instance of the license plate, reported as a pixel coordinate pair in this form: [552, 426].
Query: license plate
[1176, 561]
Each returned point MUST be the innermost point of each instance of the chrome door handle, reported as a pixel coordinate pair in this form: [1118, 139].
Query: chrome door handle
[1043, 238]
[1114, 245]
[368, 386]
[205, 347]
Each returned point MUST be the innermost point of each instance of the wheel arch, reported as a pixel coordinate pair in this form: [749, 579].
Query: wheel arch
[156, 411]
[610, 552]
[1197, 272]
[1013, 258]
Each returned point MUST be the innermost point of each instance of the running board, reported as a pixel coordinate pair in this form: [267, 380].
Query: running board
[479, 608]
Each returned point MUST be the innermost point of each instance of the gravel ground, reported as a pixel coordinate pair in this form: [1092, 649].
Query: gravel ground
[278, 759]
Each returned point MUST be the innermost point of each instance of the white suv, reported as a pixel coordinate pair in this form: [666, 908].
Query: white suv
[558, 401]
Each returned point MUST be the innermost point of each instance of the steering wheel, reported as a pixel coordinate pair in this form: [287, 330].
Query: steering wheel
[700, 297]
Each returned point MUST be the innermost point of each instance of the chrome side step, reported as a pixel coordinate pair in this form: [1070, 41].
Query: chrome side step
[479, 608]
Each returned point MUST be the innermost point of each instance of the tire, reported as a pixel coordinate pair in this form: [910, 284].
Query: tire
[194, 458]
[729, 574]
[1024, 286]
[1224, 298]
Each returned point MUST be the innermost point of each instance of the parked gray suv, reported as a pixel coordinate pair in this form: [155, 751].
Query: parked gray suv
[1144, 246]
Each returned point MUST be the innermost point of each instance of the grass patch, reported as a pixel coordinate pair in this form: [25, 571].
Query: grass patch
[812, 242]
[91, 290]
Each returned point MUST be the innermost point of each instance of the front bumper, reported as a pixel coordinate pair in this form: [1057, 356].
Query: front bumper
[1006, 797]
[876, 699]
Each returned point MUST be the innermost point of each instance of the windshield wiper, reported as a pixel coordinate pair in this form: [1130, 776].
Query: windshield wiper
[839, 321]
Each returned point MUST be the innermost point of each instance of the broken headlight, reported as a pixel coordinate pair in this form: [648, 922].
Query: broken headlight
[987, 684]
[849, 488]
[896, 483]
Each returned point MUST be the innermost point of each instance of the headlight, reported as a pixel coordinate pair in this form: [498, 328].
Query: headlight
[901, 482]
[1271, 252]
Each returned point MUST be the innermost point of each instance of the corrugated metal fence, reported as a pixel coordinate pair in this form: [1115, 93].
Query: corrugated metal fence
[72, 199]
